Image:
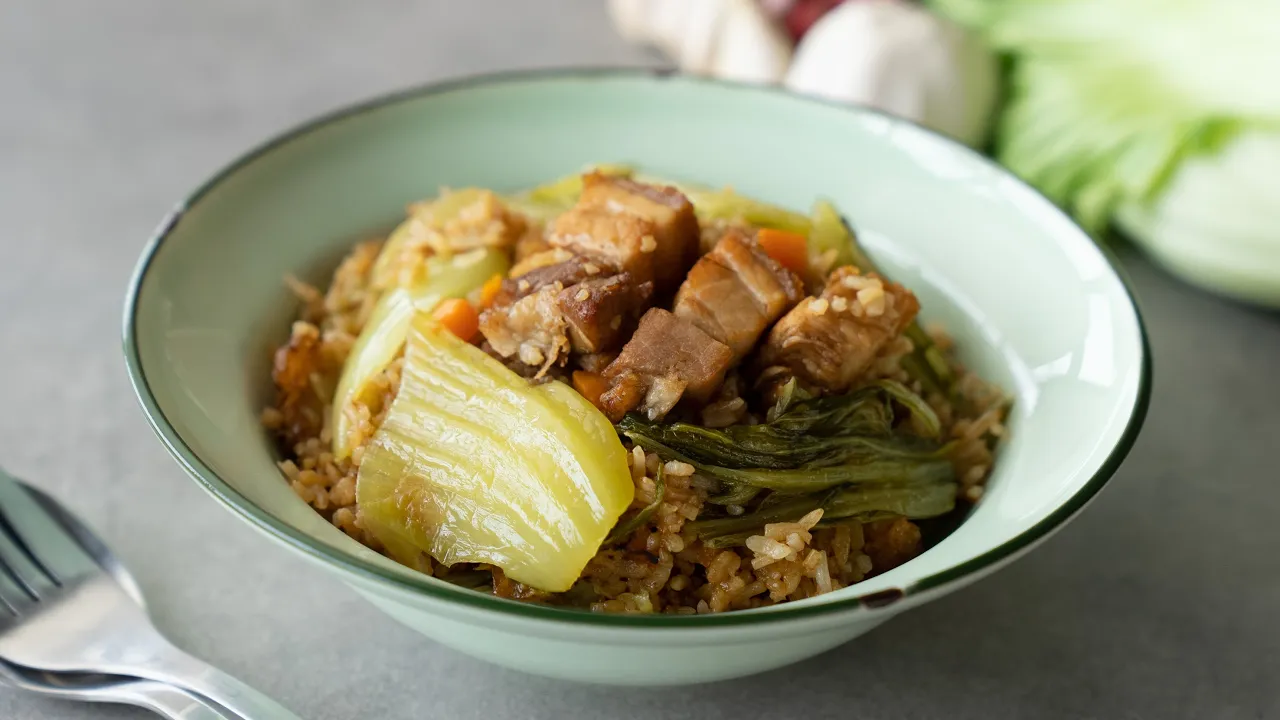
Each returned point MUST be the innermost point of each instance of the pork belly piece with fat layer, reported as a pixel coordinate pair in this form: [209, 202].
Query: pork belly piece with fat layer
[828, 342]
[649, 231]
[736, 291]
[574, 305]
[667, 358]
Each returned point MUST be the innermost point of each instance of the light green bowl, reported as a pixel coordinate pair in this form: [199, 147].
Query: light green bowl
[1033, 303]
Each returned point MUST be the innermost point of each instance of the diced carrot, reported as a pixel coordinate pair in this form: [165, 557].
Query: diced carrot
[458, 317]
[589, 385]
[490, 289]
[790, 249]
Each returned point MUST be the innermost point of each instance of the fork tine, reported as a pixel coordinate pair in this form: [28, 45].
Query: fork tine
[37, 537]
[20, 564]
[13, 597]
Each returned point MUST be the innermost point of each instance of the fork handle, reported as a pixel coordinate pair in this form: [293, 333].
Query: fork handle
[175, 667]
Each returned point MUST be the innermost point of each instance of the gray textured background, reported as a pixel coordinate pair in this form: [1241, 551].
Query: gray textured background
[1159, 602]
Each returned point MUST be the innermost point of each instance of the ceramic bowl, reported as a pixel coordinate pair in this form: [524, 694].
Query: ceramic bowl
[1033, 303]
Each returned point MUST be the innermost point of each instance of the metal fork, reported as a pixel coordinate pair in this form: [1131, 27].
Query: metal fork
[160, 698]
[167, 700]
[61, 612]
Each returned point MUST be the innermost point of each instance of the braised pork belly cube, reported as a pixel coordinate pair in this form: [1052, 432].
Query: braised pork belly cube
[648, 231]
[828, 342]
[615, 240]
[545, 269]
[530, 328]
[736, 291]
[672, 215]
[666, 359]
[600, 311]
[573, 305]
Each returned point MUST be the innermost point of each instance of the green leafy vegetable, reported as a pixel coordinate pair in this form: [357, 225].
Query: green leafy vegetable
[811, 433]
[924, 419]
[740, 495]
[847, 454]
[730, 206]
[1210, 223]
[887, 462]
[1150, 115]
[861, 412]
[861, 504]
[913, 501]
[780, 512]
[927, 364]
[831, 232]
[787, 394]
[383, 334]
[475, 464]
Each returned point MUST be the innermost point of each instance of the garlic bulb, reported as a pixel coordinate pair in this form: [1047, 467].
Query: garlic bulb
[898, 57]
[727, 38]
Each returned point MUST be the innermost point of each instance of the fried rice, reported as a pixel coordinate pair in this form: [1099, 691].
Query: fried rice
[660, 567]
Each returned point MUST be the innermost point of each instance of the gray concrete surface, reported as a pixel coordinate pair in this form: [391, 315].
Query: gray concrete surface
[1159, 602]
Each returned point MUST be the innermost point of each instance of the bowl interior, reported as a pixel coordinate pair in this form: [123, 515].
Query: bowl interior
[1031, 301]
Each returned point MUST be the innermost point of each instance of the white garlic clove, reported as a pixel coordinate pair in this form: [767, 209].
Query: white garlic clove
[683, 30]
[898, 57]
[696, 50]
[727, 38]
[750, 47]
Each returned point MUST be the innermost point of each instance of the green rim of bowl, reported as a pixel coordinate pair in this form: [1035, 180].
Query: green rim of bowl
[476, 600]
